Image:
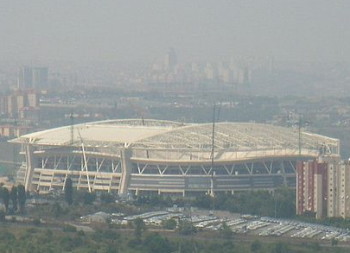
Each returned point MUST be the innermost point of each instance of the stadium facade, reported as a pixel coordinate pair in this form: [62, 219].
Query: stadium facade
[152, 156]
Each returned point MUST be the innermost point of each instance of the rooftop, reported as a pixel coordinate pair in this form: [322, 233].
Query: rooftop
[169, 135]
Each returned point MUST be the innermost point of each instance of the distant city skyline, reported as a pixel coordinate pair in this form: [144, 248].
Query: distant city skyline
[82, 31]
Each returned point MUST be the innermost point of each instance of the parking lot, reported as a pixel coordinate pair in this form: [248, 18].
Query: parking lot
[248, 224]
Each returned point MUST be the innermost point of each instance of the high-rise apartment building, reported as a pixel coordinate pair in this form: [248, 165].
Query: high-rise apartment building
[339, 189]
[311, 188]
[323, 188]
[14, 105]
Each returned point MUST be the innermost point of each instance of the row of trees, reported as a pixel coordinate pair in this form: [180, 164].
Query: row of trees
[280, 203]
[148, 242]
[87, 198]
[16, 197]
[109, 241]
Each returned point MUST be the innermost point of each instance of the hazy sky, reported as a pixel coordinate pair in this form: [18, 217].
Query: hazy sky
[142, 30]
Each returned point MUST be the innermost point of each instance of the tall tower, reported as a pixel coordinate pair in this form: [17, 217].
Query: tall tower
[170, 60]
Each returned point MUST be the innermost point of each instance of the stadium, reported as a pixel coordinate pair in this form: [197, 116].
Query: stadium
[137, 156]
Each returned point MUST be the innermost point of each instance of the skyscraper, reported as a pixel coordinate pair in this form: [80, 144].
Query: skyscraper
[170, 60]
[25, 80]
[33, 77]
[40, 77]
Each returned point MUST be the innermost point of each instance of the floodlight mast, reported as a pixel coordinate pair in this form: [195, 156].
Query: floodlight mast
[212, 153]
[71, 128]
[299, 135]
[85, 161]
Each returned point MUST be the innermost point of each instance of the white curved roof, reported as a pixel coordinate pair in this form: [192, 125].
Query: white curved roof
[112, 131]
[169, 135]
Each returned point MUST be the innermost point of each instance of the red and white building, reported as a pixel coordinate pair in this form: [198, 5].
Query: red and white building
[323, 188]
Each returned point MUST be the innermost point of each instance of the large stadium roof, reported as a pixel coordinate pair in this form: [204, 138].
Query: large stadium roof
[169, 135]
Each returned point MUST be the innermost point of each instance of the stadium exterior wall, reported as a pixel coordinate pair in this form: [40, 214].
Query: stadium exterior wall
[124, 171]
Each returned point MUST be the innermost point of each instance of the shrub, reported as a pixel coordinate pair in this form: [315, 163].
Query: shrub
[69, 228]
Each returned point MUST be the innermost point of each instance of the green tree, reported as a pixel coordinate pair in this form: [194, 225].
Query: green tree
[155, 243]
[334, 242]
[204, 201]
[186, 227]
[22, 197]
[316, 246]
[69, 228]
[280, 247]
[7, 236]
[107, 198]
[36, 222]
[5, 197]
[226, 231]
[57, 210]
[14, 197]
[263, 203]
[214, 247]
[187, 246]
[284, 202]
[140, 227]
[2, 215]
[169, 224]
[228, 247]
[68, 191]
[88, 198]
[256, 246]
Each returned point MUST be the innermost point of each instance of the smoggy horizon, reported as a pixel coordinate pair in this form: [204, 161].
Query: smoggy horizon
[42, 31]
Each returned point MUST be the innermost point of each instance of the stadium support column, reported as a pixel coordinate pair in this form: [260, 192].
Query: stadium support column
[29, 166]
[125, 156]
[284, 174]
